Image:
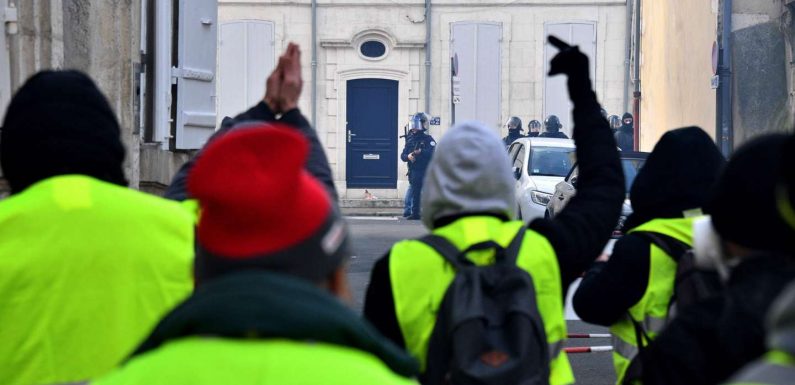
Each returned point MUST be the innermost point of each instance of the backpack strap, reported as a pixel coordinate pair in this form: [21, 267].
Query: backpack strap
[446, 249]
[670, 245]
[456, 257]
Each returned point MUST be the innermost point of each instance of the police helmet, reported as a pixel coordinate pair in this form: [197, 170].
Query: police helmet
[552, 124]
[615, 121]
[424, 119]
[534, 124]
[514, 123]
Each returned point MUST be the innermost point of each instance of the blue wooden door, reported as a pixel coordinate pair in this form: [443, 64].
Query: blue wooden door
[372, 133]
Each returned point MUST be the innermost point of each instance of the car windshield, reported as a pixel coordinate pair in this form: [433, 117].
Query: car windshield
[551, 161]
[631, 168]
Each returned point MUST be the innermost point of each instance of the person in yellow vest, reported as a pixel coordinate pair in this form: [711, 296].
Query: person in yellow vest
[668, 193]
[753, 247]
[87, 265]
[777, 367]
[469, 199]
[270, 280]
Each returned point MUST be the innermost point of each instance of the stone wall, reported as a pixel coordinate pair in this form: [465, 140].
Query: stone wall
[98, 37]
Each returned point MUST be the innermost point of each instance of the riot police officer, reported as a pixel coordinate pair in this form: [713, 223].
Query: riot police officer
[417, 153]
[514, 126]
[535, 128]
[552, 128]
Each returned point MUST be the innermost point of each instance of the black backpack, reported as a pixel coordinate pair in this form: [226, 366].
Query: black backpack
[488, 329]
[691, 285]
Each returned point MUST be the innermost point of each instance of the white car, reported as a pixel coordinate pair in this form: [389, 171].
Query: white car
[538, 165]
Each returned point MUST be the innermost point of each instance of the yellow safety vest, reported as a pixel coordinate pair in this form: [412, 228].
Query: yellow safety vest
[87, 269]
[213, 361]
[420, 277]
[652, 309]
[776, 368]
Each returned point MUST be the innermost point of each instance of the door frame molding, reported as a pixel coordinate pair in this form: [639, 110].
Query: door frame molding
[341, 84]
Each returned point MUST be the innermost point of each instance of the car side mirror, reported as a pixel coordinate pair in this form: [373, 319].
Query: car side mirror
[517, 173]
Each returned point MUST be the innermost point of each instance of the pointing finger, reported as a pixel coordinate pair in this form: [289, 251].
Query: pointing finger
[559, 44]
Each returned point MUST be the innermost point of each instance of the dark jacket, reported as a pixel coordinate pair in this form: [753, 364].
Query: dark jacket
[512, 135]
[709, 341]
[427, 145]
[625, 138]
[273, 306]
[677, 176]
[578, 234]
[554, 135]
[316, 164]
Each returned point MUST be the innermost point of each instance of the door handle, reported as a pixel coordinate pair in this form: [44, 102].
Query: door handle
[350, 135]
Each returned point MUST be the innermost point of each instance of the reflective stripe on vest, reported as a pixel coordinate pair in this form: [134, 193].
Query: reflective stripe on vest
[213, 361]
[652, 309]
[776, 368]
[87, 269]
[420, 278]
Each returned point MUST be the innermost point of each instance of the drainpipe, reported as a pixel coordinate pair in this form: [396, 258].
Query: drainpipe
[725, 131]
[627, 56]
[314, 63]
[636, 94]
[427, 56]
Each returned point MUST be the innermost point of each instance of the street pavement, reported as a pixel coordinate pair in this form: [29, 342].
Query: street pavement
[373, 236]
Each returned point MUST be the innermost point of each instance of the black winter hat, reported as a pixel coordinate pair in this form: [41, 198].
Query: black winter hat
[59, 123]
[743, 205]
[678, 175]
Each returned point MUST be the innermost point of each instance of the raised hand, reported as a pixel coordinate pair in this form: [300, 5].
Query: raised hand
[273, 89]
[284, 84]
[290, 90]
[569, 60]
[574, 64]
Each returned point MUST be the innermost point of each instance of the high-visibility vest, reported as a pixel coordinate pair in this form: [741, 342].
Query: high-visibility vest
[420, 277]
[213, 361]
[652, 309]
[87, 269]
[775, 368]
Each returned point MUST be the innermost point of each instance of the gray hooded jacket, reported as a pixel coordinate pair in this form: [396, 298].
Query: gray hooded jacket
[469, 173]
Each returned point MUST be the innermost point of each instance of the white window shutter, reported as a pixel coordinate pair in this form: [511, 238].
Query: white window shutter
[196, 47]
[246, 58]
[477, 46]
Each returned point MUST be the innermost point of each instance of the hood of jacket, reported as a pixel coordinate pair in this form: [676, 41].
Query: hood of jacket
[781, 324]
[678, 176]
[470, 173]
[263, 305]
[59, 123]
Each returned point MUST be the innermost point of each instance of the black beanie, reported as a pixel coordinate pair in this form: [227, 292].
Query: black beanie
[743, 205]
[59, 123]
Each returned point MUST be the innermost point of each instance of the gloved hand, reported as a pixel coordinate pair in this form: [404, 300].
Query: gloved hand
[574, 64]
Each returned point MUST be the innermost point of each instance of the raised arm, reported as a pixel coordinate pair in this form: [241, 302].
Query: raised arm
[579, 233]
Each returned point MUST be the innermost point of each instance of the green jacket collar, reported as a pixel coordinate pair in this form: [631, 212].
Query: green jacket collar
[262, 305]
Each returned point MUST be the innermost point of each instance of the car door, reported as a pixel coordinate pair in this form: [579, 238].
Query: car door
[519, 159]
[564, 191]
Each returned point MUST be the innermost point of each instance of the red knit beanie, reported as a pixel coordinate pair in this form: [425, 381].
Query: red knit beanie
[261, 209]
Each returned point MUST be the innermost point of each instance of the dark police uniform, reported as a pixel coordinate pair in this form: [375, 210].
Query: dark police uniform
[426, 144]
[512, 135]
